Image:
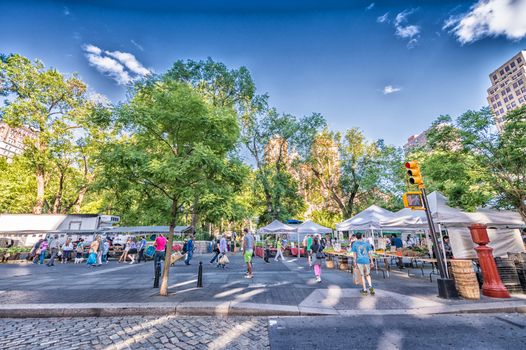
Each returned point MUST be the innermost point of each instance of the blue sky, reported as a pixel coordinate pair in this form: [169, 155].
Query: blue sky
[387, 67]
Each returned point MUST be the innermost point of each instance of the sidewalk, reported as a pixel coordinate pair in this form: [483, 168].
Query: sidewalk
[278, 288]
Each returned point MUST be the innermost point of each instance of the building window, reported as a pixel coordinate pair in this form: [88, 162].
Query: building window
[523, 89]
[512, 64]
[503, 93]
[497, 113]
[510, 97]
[508, 89]
[501, 110]
[515, 85]
[519, 60]
[507, 69]
[513, 105]
[497, 96]
[505, 99]
[499, 103]
[494, 77]
[517, 92]
[521, 100]
[520, 82]
[501, 72]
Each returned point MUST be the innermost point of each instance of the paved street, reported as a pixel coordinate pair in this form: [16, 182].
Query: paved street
[277, 283]
[364, 332]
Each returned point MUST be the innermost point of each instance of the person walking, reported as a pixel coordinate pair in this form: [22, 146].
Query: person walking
[309, 244]
[53, 247]
[41, 252]
[67, 248]
[93, 250]
[267, 250]
[132, 252]
[160, 246]
[317, 257]
[105, 250]
[223, 249]
[189, 250]
[216, 251]
[99, 251]
[248, 251]
[141, 247]
[279, 249]
[363, 260]
[124, 254]
[79, 251]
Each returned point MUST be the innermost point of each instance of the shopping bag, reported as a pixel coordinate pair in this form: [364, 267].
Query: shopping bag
[224, 260]
[150, 251]
[92, 259]
[175, 256]
[357, 276]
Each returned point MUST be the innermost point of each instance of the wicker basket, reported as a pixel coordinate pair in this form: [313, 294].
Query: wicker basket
[465, 279]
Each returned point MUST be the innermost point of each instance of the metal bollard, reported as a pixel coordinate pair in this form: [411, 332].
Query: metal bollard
[200, 275]
[157, 275]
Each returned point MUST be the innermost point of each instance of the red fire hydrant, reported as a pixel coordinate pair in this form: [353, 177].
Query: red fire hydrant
[493, 286]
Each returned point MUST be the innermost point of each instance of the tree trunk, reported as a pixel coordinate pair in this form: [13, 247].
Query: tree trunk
[37, 209]
[194, 213]
[167, 258]
[57, 206]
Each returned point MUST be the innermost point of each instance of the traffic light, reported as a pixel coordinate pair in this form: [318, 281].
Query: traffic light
[413, 171]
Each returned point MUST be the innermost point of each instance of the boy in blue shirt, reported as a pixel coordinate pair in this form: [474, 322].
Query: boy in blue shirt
[363, 260]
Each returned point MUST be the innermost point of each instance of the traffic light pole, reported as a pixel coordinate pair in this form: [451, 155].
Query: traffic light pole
[446, 286]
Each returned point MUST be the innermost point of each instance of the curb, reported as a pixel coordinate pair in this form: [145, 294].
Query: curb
[226, 309]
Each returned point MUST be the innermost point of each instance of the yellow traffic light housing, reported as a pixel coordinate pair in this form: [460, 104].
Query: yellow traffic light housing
[413, 171]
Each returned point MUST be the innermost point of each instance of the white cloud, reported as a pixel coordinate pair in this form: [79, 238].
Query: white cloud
[92, 49]
[136, 45]
[123, 67]
[129, 61]
[408, 31]
[370, 7]
[383, 18]
[402, 16]
[490, 18]
[389, 89]
[99, 98]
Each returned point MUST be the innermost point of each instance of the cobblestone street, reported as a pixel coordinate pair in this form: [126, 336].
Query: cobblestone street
[167, 332]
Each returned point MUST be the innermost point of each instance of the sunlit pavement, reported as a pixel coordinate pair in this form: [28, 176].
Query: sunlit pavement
[498, 331]
[289, 283]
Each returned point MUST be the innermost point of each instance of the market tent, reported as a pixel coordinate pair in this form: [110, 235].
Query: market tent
[503, 233]
[276, 226]
[309, 227]
[368, 219]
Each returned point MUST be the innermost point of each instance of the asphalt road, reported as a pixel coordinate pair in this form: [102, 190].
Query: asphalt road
[497, 331]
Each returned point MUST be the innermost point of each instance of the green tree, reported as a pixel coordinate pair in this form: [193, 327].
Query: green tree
[174, 145]
[54, 108]
[356, 173]
[502, 154]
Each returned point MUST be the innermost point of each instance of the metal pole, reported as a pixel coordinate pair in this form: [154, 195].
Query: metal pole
[200, 275]
[441, 267]
[443, 249]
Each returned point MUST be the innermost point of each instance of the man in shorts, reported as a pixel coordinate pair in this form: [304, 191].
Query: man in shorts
[248, 251]
[363, 260]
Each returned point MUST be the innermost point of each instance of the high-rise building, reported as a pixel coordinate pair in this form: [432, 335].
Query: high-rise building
[12, 140]
[416, 141]
[508, 88]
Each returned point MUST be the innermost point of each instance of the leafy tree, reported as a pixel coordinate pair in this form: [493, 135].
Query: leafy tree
[501, 154]
[54, 108]
[356, 173]
[174, 145]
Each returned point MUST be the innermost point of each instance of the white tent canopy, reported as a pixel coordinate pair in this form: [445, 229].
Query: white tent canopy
[310, 228]
[276, 226]
[368, 219]
[444, 215]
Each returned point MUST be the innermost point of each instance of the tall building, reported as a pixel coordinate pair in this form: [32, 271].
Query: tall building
[12, 140]
[508, 89]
